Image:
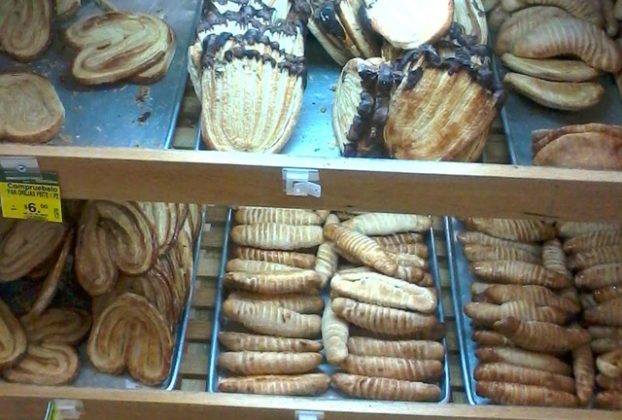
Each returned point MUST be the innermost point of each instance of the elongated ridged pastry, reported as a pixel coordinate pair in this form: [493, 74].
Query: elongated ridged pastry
[307, 384]
[427, 105]
[248, 70]
[131, 334]
[31, 109]
[25, 28]
[118, 45]
[385, 388]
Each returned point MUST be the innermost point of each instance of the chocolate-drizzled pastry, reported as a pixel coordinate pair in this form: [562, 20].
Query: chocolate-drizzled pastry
[248, 69]
[435, 102]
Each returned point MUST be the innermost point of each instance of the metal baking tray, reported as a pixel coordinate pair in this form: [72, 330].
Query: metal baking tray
[213, 372]
[520, 115]
[72, 295]
[313, 134]
[120, 114]
[461, 279]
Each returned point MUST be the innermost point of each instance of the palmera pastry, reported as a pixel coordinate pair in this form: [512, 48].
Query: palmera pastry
[13, 338]
[131, 334]
[32, 110]
[25, 28]
[58, 325]
[551, 69]
[45, 364]
[588, 11]
[117, 45]
[248, 70]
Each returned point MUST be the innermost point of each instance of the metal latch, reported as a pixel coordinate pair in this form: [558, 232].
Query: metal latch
[302, 182]
[20, 167]
[65, 410]
[309, 415]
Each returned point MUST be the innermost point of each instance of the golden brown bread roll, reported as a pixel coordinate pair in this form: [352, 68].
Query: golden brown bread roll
[254, 215]
[571, 229]
[512, 229]
[600, 276]
[610, 384]
[476, 252]
[303, 385]
[385, 388]
[589, 241]
[280, 282]
[549, 69]
[252, 266]
[565, 96]
[301, 303]
[334, 336]
[266, 363]
[271, 319]
[393, 367]
[389, 321]
[409, 349]
[235, 341]
[604, 345]
[596, 256]
[13, 340]
[611, 400]
[519, 357]
[388, 223]
[554, 258]
[541, 336]
[518, 394]
[486, 314]
[610, 364]
[570, 36]
[583, 370]
[503, 372]
[418, 249]
[277, 236]
[518, 272]
[599, 331]
[608, 313]
[607, 293]
[382, 290]
[294, 259]
[478, 238]
[398, 239]
[487, 338]
[327, 259]
[361, 247]
[501, 293]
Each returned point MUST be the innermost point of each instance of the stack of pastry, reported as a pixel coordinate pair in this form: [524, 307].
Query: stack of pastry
[274, 294]
[523, 303]
[595, 255]
[381, 330]
[135, 260]
[248, 69]
[535, 37]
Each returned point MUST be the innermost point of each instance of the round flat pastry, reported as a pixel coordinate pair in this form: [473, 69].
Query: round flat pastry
[12, 337]
[45, 364]
[131, 333]
[117, 45]
[31, 110]
[25, 28]
[407, 24]
[58, 325]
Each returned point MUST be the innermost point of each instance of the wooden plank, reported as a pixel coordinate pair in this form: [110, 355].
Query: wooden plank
[215, 237]
[199, 330]
[209, 264]
[203, 297]
[439, 188]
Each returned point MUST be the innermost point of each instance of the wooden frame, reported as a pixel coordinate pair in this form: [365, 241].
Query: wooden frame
[439, 188]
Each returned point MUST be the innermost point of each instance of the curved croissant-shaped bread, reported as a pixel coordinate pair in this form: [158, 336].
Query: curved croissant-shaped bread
[294, 259]
[595, 256]
[252, 215]
[554, 258]
[25, 28]
[572, 229]
[503, 372]
[388, 321]
[252, 266]
[541, 336]
[519, 394]
[335, 334]
[611, 400]
[393, 367]
[600, 276]
[280, 282]
[58, 325]
[131, 334]
[13, 339]
[583, 371]
[540, 295]
[518, 357]
[385, 388]
[271, 319]
[32, 110]
[607, 313]
[588, 11]
[409, 349]
[592, 240]
[297, 302]
[235, 341]
[608, 383]
[518, 272]
[264, 363]
[388, 223]
[277, 236]
[513, 229]
[487, 338]
[45, 364]
[569, 36]
[471, 237]
[27, 246]
[398, 239]
[477, 252]
[302, 385]
[487, 314]
[117, 45]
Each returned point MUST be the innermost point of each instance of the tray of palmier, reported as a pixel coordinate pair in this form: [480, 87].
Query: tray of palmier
[93, 72]
[559, 63]
[101, 300]
[291, 320]
[538, 311]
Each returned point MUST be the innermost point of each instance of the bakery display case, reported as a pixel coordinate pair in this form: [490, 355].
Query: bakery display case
[141, 139]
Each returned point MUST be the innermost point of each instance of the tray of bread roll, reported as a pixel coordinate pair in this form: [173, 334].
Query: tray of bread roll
[85, 315]
[84, 86]
[520, 330]
[290, 320]
[550, 81]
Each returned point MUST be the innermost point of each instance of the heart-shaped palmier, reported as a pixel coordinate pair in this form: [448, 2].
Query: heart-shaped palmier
[12, 337]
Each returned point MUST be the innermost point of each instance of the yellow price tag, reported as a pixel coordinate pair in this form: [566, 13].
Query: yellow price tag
[31, 200]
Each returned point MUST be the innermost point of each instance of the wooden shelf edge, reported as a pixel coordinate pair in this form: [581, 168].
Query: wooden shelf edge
[21, 401]
[438, 188]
